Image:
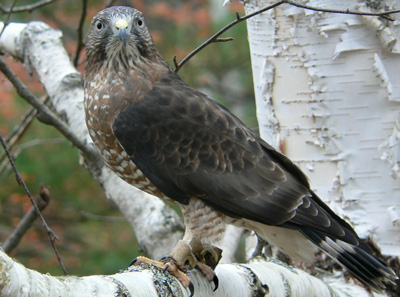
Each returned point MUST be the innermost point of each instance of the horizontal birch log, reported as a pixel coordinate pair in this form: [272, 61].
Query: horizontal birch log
[257, 278]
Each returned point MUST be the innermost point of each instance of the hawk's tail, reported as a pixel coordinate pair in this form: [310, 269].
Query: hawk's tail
[356, 259]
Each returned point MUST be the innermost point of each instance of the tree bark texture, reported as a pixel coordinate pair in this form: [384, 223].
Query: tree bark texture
[328, 92]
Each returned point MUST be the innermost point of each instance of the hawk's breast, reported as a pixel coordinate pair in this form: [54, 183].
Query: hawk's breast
[104, 98]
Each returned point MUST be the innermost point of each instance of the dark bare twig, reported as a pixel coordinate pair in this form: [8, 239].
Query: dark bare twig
[383, 14]
[5, 24]
[39, 141]
[215, 37]
[15, 151]
[224, 39]
[17, 133]
[176, 64]
[45, 115]
[50, 233]
[26, 222]
[80, 32]
[22, 8]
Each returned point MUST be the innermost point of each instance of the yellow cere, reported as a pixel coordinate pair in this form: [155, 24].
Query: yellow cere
[121, 24]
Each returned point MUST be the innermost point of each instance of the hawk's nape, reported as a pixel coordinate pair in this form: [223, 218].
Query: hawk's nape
[168, 139]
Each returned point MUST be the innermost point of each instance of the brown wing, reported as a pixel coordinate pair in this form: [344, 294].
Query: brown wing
[188, 145]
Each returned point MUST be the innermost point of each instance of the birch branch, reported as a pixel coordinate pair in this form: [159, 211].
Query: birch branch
[26, 222]
[254, 279]
[22, 8]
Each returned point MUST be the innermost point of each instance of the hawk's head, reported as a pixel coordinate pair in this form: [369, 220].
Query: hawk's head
[119, 37]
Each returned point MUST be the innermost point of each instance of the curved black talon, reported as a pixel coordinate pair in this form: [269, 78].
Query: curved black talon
[166, 267]
[216, 282]
[191, 289]
[133, 262]
[210, 256]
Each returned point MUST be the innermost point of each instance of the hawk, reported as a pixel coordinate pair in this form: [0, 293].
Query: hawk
[166, 138]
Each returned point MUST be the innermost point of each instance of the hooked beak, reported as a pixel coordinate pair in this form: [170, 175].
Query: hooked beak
[122, 32]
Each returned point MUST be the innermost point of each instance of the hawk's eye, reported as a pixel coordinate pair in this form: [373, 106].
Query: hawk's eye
[99, 25]
[139, 22]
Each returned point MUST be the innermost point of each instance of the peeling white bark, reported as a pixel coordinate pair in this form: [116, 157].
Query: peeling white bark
[10, 38]
[234, 280]
[334, 98]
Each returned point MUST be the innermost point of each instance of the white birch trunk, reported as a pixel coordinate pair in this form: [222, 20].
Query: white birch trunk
[247, 280]
[155, 225]
[328, 91]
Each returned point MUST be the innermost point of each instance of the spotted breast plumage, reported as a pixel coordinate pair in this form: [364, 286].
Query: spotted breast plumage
[159, 134]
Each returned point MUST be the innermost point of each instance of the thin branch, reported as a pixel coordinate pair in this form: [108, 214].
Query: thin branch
[224, 39]
[7, 21]
[16, 150]
[52, 236]
[90, 216]
[16, 134]
[80, 32]
[26, 222]
[215, 37]
[35, 142]
[45, 115]
[22, 8]
[383, 14]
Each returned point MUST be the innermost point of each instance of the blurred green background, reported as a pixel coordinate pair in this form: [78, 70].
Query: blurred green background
[105, 244]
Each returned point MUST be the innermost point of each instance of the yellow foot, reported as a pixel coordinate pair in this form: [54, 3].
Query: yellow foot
[170, 265]
[187, 256]
[197, 255]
